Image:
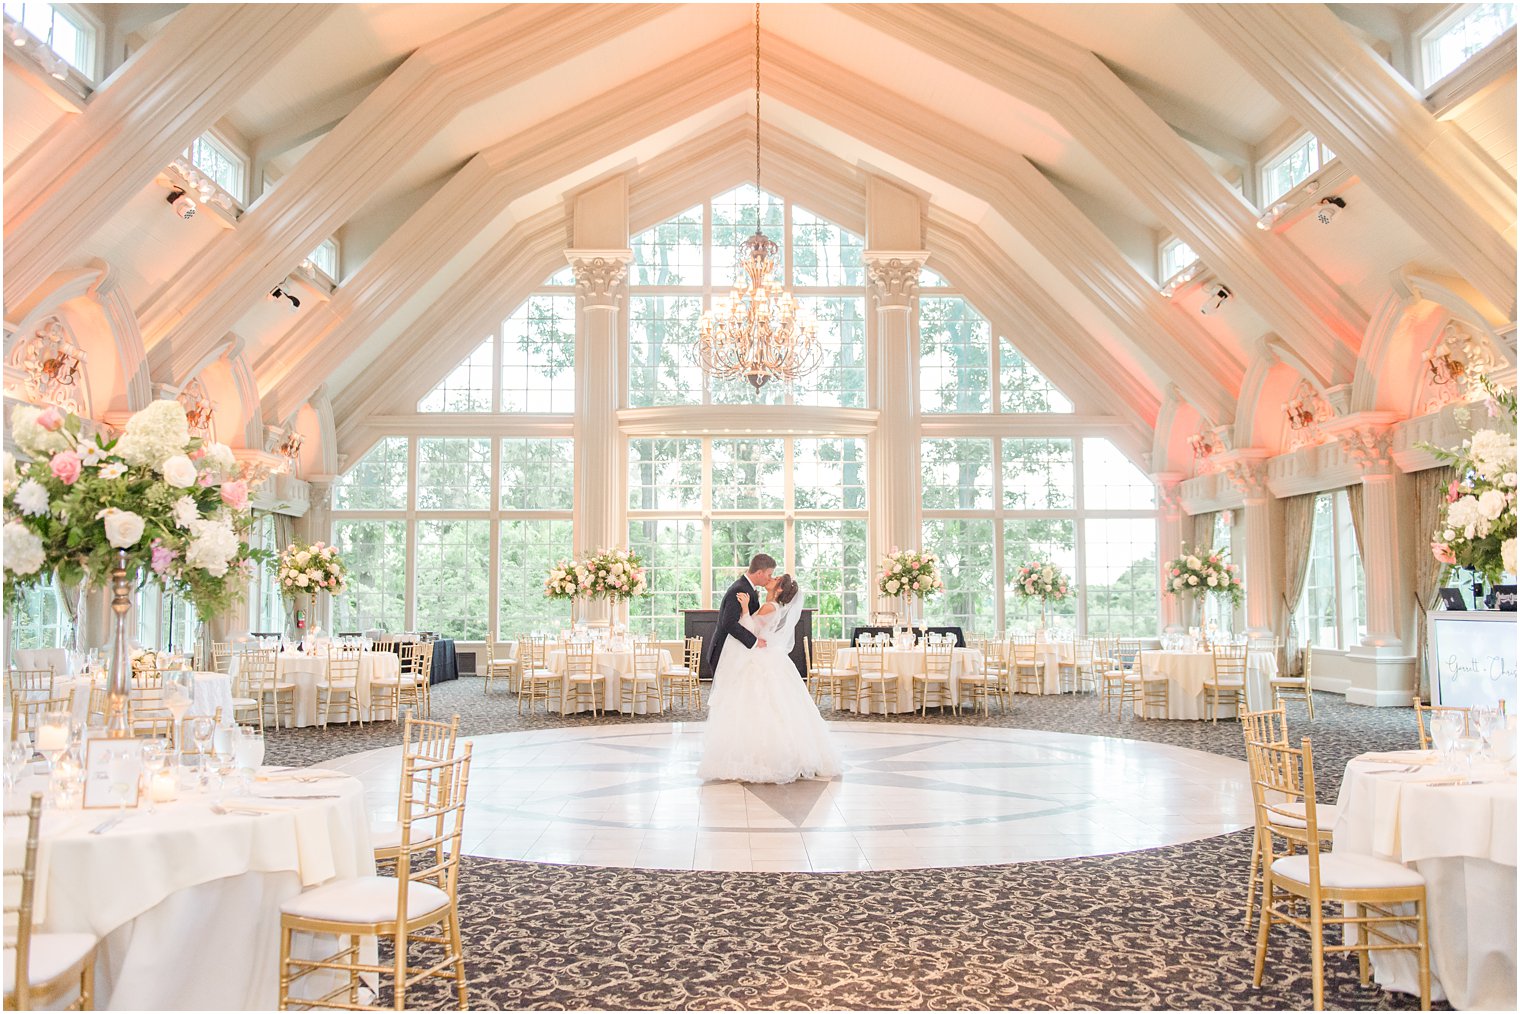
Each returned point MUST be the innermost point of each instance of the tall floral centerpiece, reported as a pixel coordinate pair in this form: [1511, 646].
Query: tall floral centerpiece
[1477, 528]
[1043, 581]
[153, 504]
[911, 575]
[306, 570]
[1199, 572]
[607, 575]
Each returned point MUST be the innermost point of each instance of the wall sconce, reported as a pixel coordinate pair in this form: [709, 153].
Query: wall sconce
[1204, 445]
[290, 447]
[1442, 366]
[1300, 413]
[52, 363]
[198, 409]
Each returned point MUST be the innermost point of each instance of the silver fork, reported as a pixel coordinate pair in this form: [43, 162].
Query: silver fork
[106, 825]
[222, 811]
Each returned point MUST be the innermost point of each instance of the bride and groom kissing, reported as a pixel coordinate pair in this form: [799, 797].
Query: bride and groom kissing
[762, 724]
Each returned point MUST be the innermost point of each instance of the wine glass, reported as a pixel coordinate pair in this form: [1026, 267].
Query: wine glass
[202, 728]
[123, 769]
[1445, 728]
[1486, 719]
[1467, 746]
[179, 694]
[17, 756]
[250, 754]
[155, 753]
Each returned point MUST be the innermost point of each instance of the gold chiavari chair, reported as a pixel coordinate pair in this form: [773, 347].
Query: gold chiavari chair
[584, 684]
[1118, 689]
[424, 894]
[41, 968]
[1151, 692]
[875, 683]
[221, 656]
[1228, 685]
[500, 665]
[1024, 665]
[536, 679]
[27, 712]
[979, 685]
[818, 682]
[1091, 678]
[683, 680]
[147, 717]
[22, 683]
[259, 672]
[1076, 659]
[417, 662]
[839, 682]
[1369, 894]
[340, 682]
[1296, 688]
[938, 661]
[420, 737]
[96, 715]
[642, 683]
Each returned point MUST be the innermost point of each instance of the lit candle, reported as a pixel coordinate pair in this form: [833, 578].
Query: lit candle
[164, 788]
[52, 737]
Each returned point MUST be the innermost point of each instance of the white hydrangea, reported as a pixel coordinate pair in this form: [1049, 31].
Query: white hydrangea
[155, 433]
[1466, 516]
[31, 437]
[185, 511]
[220, 457]
[23, 549]
[213, 544]
[1493, 453]
[1193, 564]
[1492, 503]
[32, 498]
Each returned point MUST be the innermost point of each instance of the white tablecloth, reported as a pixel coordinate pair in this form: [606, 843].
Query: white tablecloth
[613, 665]
[306, 671]
[188, 901]
[1188, 671]
[212, 690]
[906, 663]
[1462, 840]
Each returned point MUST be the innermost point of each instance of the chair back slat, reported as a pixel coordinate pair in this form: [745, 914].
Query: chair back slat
[432, 822]
[18, 915]
[938, 659]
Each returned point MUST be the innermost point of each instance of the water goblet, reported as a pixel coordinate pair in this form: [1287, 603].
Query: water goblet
[1445, 728]
[250, 754]
[1485, 720]
[179, 694]
[17, 757]
[202, 728]
[1467, 746]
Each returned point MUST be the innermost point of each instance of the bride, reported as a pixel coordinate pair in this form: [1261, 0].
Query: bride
[762, 725]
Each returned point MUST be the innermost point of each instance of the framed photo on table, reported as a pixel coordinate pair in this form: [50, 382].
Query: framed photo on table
[112, 773]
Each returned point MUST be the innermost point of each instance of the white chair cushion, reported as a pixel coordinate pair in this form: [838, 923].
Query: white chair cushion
[364, 900]
[1287, 681]
[1228, 684]
[385, 836]
[678, 670]
[244, 702]
[52, 955]
[1347, 871]
[1292, 815]
[833, 671]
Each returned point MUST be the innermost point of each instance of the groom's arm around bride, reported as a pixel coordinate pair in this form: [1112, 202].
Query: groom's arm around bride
[730, 612]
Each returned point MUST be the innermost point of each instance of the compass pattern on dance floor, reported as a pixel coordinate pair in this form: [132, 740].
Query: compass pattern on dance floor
[911, 797]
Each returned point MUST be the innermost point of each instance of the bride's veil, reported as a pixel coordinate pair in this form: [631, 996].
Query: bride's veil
[783, 635]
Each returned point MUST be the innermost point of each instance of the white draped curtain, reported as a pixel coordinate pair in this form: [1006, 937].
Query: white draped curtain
[1298, 531]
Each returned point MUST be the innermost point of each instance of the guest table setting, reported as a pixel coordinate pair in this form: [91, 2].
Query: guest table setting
[1453, 820]
[307, 668]
[614, 660]
[905, 662]
[1188, 668]
[179, 863]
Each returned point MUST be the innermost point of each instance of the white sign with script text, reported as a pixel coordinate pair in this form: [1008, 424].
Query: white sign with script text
[1474, 661]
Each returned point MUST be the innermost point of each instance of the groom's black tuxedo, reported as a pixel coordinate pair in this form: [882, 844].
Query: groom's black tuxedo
[729, 614]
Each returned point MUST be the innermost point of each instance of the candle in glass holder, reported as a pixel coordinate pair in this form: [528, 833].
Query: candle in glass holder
[52, 737]
[164, 786]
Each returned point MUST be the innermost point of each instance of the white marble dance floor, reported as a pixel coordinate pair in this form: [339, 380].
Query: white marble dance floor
[911, 796]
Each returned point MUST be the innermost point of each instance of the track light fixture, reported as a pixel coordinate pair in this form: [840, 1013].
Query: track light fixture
[182, 203]
[1328, 207]
[1214, 300]
[278, 292]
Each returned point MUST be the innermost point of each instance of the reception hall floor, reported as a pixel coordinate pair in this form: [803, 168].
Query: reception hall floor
[1137, 927]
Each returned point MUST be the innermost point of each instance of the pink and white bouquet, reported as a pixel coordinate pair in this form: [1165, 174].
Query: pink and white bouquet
[1043, 580]
[612, 574]
[1477, 528]
[909, 572]
[176, 505]
[308, 569]
[1204, 572]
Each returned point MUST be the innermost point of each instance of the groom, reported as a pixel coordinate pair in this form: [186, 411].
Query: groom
[759, 575]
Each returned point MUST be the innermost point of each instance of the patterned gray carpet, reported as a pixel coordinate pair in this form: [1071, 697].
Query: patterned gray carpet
[1155, 929]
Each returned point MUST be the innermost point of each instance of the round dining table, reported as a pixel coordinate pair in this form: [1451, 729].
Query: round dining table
[213, 690]
[905, 663]
[1186, 673]
[614, 664]
[1410, 808]
[306, 670]
[186, 901]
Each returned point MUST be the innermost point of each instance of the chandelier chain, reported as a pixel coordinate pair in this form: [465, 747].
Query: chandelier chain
[758, 199]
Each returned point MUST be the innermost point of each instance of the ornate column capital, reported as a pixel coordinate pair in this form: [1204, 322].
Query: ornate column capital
[1370, 446]
[893, 275]
[1169, 493]
[599, 276]
[1249, 475]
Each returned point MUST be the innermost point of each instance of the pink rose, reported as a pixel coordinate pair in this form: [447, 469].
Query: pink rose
[1176, 572]
[51, 419]
[235, 494]
[1443, 553]
[205, 479]
[66, 466]
[162, 557]
[1214, 558]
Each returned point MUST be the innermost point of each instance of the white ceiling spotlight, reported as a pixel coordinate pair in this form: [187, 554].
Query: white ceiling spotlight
[1214, 300]
[1328, 207]
[282, 291]
[1271, 215]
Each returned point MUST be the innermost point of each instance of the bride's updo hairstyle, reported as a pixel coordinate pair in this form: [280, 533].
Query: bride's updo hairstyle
[786, 590]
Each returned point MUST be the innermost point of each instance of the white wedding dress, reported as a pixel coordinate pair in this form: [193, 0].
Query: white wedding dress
[762, 725]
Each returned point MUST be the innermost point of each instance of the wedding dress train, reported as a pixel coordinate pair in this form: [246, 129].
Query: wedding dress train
[762, 725]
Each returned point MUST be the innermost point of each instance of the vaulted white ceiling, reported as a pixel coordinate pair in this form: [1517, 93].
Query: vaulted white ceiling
[572, 93]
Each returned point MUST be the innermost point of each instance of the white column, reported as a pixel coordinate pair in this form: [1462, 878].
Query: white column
[894, 480]
[1172, 518]
[599, 465]
[1263, 594]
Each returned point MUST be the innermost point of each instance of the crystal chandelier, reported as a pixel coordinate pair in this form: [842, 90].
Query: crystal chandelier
[756, 333]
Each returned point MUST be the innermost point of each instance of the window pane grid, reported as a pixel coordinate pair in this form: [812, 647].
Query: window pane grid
[1024, 388]
[453, 577]
[672, 553]
[748, 474]
[453, 473]
[468, 387]
[662, 337]
[670, 253]
[378, 481]
[955, 356]
[537, 474]
[834, 572]
[529, 547]
[538, 356]
[375, 555]
[823, 253]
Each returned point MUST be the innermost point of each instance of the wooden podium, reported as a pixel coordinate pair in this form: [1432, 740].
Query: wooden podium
[700, 623]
